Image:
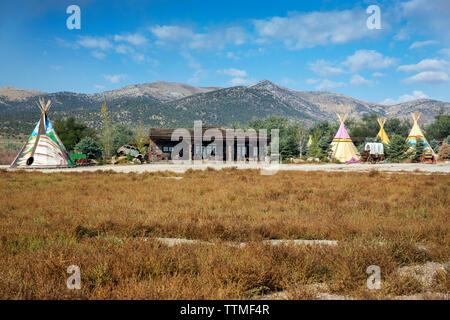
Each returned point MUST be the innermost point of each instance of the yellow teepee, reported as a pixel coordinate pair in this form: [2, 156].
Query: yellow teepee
[382, 134]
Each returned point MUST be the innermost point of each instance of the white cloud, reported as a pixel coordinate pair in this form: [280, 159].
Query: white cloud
[134, 39]
[428, 77]
[425, 17]
[426, 65]
[359, 81]
[231, 55]
[239, 77]
[98, 54]
[238, 81]
[94, 42]
[234, 72]
[186, 38]
[378, 74]
[115, 78]
[139, 57]
[56, 68]
[445, 51]
[99, 87]
[305, 30]
[430, 71]
[368, 59]
[419, 44]
[197, 76]
[328, 84]
[405, 98]
[124, 49]
[171, 32]
[324, 69]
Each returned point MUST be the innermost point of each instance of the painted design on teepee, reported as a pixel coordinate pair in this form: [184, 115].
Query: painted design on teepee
[382, 134]
[342, 145]
[416, 134]
[43, 148]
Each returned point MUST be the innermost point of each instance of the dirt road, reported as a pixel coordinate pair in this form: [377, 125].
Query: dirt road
[391, 167]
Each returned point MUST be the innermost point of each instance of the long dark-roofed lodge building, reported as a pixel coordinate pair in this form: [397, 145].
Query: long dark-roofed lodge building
[214, 144]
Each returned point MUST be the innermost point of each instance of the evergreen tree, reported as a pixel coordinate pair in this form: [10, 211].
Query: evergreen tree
[325, 146]
[89, 147]
[397, 148]
[435, 145]
[71, 132]
[314, 149]
[418, 150]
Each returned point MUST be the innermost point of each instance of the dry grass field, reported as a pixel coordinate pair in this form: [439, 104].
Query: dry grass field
[107, 222]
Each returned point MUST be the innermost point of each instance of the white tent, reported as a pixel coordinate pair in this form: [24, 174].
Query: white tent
[43, 149]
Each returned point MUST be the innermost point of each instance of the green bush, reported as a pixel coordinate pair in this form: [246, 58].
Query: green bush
[89, 147]
[397, 148]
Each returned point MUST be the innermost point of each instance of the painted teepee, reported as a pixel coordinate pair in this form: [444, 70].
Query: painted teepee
[342, 145]
[43, 149]
[382, 134]
[416, 134]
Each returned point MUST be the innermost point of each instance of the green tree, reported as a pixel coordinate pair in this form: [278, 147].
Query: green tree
[440, 128]
[418, 150]
[325, 146]
[301, 136]
[71, 132]
[141, 138]
[435, 145]
[397, 126]
[107, 131]
[121, 135]
[89, 147]
[314, 150]
[397, 148]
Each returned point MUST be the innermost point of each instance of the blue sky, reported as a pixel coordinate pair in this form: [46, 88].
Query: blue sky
[303, 45]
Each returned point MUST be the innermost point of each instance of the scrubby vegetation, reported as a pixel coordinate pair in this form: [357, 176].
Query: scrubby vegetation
[106, 222]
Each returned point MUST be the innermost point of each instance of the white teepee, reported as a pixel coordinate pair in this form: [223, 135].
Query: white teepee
[43, 149]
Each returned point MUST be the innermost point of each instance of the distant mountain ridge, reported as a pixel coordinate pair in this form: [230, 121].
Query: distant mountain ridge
[169, 104]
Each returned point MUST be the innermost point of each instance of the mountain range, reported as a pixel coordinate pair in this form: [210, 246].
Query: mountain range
[169, 104]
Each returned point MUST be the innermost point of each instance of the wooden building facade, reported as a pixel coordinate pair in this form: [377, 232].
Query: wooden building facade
[208, 143]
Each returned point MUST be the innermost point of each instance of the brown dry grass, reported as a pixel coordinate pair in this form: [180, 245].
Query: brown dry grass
[97, 221]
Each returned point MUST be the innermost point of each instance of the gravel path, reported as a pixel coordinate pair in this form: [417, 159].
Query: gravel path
[180, 168]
